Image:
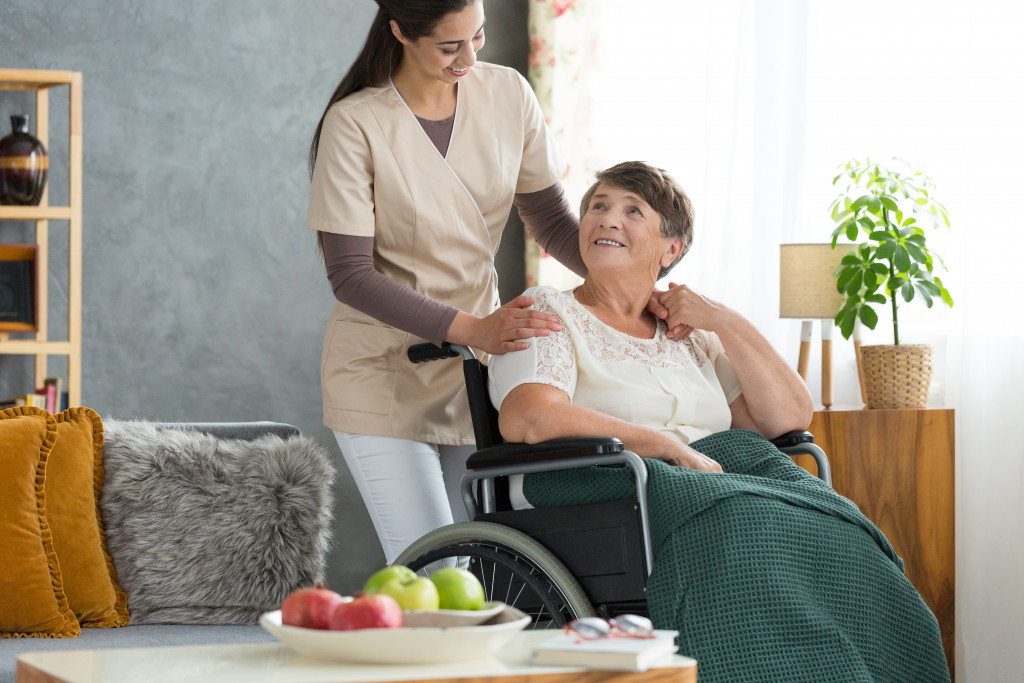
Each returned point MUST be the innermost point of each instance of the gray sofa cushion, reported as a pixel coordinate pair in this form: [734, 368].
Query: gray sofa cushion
[208, 530]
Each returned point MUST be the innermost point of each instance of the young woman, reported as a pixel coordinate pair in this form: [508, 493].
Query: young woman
[415, 165]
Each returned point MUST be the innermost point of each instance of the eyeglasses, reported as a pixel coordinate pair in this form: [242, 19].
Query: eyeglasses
[622, 626]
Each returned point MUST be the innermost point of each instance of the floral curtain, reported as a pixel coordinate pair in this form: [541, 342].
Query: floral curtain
[561, 46]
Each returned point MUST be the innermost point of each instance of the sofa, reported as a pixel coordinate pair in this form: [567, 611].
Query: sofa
[205, 526]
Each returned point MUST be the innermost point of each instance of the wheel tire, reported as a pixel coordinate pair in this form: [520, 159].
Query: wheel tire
[497, 551]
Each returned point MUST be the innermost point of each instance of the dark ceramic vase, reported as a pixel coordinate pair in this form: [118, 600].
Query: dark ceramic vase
[23, 166]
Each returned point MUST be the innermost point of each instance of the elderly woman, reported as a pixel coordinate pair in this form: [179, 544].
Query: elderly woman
[614, 368]
[764, 570]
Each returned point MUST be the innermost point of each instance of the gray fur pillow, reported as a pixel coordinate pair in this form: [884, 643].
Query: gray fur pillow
[205, 530]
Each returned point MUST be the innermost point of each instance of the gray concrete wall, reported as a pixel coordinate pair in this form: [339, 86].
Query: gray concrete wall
[203, 295]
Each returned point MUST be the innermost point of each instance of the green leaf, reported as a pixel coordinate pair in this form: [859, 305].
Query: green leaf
[851, 230]
[856, 281]
[868, 317]
[901, 259]
[836, 179]
[874, 205]
[888, 203]
[866, 223]
[924, 295]
[877, 299]
[846, 319]
[861, 201]
[886, 251]
[844, 278]
[907, 290]
[880, 268]
[916, 252]
[881, 236]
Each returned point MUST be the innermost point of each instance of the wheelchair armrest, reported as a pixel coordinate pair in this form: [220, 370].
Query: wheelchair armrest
[790, 439]
[554, 449]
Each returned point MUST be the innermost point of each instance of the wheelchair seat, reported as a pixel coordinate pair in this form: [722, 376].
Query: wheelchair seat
[554, 563]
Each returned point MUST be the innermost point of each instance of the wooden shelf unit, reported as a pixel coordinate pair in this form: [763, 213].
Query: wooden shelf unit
[40, 82]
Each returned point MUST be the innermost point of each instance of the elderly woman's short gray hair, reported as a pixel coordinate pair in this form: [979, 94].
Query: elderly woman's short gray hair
[660, 191]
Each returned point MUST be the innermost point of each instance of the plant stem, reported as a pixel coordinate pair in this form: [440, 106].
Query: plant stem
[892, 299]
[892, 278]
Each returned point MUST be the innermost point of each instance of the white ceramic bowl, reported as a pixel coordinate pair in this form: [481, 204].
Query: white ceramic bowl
[406, 645]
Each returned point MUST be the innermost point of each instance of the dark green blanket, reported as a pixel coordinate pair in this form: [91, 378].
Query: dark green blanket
[766, 572]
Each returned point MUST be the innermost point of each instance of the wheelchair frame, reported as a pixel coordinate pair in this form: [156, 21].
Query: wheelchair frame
[562, 595]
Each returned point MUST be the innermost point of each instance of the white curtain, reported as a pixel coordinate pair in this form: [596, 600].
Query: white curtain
[752, 105]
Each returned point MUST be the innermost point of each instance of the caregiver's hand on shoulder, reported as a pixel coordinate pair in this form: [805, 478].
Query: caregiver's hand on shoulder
[682, 455]
[689, 310]
[497, 333]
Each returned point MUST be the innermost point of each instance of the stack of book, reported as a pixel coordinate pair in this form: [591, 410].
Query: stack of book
[51, 397]
[629, 654]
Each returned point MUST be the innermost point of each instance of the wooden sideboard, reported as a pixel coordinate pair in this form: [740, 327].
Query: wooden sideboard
[897, 466]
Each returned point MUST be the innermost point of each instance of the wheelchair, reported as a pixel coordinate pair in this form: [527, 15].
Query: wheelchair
[556, 564]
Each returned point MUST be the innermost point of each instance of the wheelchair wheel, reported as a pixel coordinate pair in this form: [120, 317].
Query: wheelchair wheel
[512, 567]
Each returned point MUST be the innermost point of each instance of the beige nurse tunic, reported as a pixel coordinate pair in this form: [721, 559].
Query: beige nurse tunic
[436, 223]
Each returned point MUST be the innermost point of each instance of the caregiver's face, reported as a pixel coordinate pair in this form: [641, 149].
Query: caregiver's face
[449, 52]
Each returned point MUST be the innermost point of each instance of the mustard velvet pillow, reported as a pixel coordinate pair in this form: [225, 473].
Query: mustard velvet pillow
[32, 599]
[74, 483]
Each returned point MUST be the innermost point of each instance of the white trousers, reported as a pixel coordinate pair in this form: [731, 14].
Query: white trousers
[409, 487]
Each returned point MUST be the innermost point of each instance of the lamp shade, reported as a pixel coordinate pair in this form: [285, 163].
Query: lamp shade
[807, 287]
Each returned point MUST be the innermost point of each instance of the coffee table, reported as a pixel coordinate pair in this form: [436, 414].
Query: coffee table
[277, 663]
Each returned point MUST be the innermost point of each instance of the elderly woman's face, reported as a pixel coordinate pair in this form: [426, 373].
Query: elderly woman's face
[621, 231]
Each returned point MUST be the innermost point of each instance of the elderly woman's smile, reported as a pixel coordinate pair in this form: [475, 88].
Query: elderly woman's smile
[619, 230]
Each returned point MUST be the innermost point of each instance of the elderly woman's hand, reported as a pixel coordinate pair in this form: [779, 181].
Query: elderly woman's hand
[689, 310]
[682, 455]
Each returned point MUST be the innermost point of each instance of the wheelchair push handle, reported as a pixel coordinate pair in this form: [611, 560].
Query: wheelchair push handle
[421, 353]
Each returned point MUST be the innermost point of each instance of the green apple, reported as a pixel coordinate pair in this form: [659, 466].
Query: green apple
[416, 593]
[395, 571]
[458, 589]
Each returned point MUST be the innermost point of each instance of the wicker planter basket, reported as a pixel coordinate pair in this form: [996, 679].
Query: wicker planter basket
[896, 376]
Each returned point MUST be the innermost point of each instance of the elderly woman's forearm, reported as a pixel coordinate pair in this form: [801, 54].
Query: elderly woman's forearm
[776, 397]
[535, 413]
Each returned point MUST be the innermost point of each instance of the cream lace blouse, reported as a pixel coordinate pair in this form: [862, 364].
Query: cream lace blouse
[683, 388]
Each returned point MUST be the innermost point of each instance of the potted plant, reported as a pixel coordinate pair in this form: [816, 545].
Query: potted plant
[889, 209]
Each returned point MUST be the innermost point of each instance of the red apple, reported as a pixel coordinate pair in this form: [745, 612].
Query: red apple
[366, 611]
[310, 607]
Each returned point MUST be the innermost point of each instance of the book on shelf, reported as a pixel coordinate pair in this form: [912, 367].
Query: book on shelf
[54, 387]
[631, 654]
[33, 400]
[51, 397]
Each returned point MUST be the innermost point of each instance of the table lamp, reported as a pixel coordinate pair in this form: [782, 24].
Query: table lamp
[807, 290]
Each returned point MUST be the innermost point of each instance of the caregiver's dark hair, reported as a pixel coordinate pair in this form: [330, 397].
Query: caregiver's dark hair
[382, 53]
